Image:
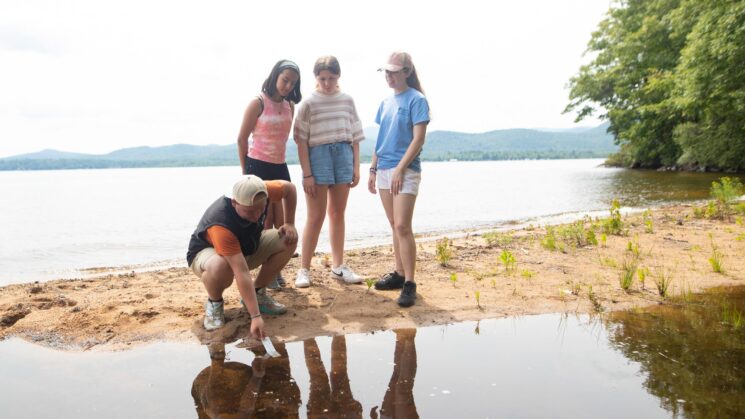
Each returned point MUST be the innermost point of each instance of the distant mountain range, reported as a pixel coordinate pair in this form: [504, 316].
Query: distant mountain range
[440, 145]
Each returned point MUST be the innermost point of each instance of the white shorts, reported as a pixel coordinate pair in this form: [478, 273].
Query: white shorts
[411, 180]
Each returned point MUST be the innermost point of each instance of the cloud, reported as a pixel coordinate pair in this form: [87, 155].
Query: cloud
[20, 40]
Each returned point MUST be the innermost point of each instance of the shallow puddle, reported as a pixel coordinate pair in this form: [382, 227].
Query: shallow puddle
[676, 360]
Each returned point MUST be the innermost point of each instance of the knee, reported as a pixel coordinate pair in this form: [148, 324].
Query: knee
[402, 229]
[336, 215]
[217, 269]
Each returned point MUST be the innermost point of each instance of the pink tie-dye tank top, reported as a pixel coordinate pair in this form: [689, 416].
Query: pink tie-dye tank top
[269, 138]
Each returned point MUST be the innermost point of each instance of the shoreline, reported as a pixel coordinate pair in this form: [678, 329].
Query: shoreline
[92, 272]
[114, 312]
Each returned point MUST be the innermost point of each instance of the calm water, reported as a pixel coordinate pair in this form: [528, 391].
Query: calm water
[680, 360]
[57, 224]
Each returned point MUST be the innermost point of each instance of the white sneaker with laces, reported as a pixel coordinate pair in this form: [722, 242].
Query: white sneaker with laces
[344, 273]
[303, 278]
[214, 315]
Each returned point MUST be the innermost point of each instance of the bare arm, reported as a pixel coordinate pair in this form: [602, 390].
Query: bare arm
[420, 131]
[397, 180]
[246, 288]
[373, 174]
[356, 164]
[303, 154]
[289, 203]
[249, 123]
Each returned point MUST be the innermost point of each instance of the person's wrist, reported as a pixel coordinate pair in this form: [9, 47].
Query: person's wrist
[308, 176]
[255, 316]
[373, 170]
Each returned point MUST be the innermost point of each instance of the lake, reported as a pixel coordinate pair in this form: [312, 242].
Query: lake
[69, 224]
[685, 359]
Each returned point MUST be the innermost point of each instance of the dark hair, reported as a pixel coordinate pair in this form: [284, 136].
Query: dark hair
[413, 80]
[328, 63]
[270, 84]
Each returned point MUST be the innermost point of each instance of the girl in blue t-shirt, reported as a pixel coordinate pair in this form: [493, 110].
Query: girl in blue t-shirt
[395, 167]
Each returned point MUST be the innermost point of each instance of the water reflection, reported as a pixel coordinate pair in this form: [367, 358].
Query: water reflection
[227, 389]
[398, 401]
[330, 397]
[692, 353]
[235, 390]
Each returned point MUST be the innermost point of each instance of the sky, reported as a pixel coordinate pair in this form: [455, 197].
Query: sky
[94, 76]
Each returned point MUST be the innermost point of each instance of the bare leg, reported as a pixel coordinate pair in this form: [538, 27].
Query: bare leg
[272, 266]
[403, 210]
[316, 214]
[216, 277]
[387, 199]
[337, 205]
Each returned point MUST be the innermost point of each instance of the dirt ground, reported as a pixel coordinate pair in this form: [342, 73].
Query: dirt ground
[114, 312]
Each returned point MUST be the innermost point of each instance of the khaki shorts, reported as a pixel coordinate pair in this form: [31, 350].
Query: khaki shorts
[269, 244]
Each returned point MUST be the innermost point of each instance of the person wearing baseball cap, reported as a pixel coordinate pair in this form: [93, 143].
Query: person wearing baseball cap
[230, 240]
[395, 169]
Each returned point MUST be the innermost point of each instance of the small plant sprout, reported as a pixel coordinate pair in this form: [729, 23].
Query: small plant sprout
[443, 251]
[642, 273]
[604, 240]
[738, 221]
[527, 274]
[725, 192]
[494, 283]
[369, 282]
[662, 280]
[549, 240]
[508, 260]
[477, 294]
[716, 257]
[453, 279]
[613, 224]
[648, 223]
[628, 271]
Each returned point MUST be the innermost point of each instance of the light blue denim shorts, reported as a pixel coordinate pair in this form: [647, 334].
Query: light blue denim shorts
[332, 164]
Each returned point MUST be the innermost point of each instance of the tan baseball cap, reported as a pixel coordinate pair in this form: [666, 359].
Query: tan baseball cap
[398, 61]
[246, 189]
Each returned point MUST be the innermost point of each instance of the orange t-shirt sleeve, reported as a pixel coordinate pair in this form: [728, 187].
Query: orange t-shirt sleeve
[275, 190]
[224, 241]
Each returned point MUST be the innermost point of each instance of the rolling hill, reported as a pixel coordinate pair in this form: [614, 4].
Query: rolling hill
[440, 145]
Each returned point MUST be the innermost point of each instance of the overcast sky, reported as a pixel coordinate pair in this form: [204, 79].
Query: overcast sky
[94, 76]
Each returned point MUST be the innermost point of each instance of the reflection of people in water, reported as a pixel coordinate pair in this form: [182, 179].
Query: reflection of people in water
[232, 389]
[336, 400]
[399, 397]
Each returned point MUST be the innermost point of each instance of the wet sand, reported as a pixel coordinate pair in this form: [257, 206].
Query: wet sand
[113, 312]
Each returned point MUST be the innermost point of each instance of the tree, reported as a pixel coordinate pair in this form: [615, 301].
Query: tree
[710, 89]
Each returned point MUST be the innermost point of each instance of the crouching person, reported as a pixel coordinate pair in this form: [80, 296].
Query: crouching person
[230, 240]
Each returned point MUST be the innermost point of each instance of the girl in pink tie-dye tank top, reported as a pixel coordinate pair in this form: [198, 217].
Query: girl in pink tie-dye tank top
[268, 120]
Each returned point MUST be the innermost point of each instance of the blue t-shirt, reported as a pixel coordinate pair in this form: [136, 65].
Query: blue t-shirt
[397, 116]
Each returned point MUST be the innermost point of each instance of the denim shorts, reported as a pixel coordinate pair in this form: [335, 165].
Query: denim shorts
[332, 164]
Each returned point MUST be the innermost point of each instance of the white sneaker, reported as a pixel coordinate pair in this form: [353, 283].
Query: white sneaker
[214, 315]
[347, 275]
[303, 278]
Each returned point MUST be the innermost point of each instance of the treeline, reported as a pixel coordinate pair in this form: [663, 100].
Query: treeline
[669, 76]
[71, 164]
[513, 155]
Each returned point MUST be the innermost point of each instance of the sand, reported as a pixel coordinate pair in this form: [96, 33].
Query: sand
[114, 312]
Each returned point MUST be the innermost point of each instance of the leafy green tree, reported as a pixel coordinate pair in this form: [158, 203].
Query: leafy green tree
[710, 88]
[631, 79]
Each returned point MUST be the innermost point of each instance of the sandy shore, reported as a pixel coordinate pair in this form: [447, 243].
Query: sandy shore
[117, 311]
